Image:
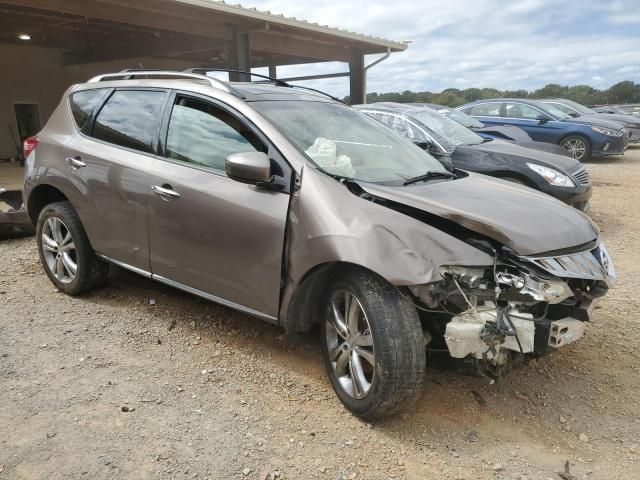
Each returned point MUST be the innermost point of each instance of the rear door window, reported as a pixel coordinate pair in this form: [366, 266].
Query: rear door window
[130, 118]
[520, 110]
[485, 110]
[202, 134]
[84, 103]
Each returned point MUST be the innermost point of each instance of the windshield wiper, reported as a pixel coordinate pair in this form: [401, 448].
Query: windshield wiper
[428, 176]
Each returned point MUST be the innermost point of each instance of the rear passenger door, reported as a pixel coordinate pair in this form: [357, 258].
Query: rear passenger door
[109, 161]
[209, 234]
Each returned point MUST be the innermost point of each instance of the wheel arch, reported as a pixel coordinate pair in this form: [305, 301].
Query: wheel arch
[305, 307]
[41, 196]
[576, 134]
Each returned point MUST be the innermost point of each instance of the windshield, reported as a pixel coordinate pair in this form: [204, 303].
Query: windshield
[345, 142]
[553, 111]
[581, 109]
[462, 118]
[444, 127]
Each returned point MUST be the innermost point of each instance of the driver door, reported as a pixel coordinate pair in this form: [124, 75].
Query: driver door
[209, 234]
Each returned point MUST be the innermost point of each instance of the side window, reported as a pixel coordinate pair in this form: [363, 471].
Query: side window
[485, 110]
[83, 103]
[130, 119]
[519, 110]
[203, 134]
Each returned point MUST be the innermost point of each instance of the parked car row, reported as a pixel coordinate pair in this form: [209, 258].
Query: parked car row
[297, 209]
[457, 146]
[583, 136]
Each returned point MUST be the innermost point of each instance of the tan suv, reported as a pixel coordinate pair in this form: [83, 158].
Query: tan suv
[290, 206]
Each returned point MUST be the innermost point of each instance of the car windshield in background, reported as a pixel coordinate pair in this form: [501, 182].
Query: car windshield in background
[345, 142]
[448, 129]
[581, 109]
[554, 112]
[462, 118]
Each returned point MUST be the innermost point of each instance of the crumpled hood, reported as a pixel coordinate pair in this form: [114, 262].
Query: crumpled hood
[498, 149]
[527, 221]
[596, 121]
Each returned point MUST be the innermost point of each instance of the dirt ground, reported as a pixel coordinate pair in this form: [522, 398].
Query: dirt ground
[212, 393]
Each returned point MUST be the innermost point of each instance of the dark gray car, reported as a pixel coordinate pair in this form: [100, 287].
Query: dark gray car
[304, 212]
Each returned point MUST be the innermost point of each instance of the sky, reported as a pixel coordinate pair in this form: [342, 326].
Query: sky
[480, 43]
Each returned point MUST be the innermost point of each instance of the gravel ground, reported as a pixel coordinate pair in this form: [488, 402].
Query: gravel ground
[137, 380]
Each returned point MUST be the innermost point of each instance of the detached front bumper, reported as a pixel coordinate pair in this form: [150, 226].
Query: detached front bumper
[14, 220]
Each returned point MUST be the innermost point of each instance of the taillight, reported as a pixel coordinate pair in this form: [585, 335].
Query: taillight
[29, 146]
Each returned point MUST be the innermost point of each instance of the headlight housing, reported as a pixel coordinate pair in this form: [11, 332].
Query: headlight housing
[607, 131]
[553, 177]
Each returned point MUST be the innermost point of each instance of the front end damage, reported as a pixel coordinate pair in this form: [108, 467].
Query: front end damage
[520, 305]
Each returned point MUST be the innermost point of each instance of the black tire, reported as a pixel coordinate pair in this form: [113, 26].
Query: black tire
[90, 271]
[581, 155]
[398, 345]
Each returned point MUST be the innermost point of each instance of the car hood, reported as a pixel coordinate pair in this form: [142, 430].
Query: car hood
[500, 151]
[595, 120]
[616, 117]
[521, 218]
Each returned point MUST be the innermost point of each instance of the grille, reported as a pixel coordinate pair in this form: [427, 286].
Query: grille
[593, 264]
[582, 176]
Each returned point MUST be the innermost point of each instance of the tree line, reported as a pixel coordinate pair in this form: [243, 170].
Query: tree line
[622, 92]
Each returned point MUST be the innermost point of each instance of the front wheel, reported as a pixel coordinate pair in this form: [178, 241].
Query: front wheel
[373, 345]
[577, 146]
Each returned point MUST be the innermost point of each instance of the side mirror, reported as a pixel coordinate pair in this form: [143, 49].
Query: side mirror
[248, 167]
[542, 119]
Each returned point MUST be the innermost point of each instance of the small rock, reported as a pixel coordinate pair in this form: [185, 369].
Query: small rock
[322, 469]
[51, 434]
[246, 471]
[152, 301]
[126, 408]
[563, 420]
[583, 437]
[497, 467]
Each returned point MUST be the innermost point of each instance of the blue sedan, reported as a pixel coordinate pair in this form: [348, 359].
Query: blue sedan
[544, 123]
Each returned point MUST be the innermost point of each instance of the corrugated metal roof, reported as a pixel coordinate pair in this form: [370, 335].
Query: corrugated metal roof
[237, 9]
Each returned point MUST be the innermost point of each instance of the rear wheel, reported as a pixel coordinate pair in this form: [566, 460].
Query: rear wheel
[373, 345]
[65, 251]
[577, 146]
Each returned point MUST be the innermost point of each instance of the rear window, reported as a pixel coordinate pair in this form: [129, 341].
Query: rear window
[84, 103]
[130, 119]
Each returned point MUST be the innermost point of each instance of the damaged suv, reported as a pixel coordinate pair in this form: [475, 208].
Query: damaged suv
[292, 207]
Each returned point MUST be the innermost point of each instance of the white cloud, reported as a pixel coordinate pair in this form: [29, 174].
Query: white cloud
[480, 43]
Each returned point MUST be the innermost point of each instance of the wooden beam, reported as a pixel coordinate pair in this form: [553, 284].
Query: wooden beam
[164, 46]
[357, 79]
[266, 42]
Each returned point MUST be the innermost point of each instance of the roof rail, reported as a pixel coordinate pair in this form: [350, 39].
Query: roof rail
[276, 81]
[130, 74]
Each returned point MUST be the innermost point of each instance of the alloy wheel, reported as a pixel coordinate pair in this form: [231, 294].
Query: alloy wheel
[59, 250]
[576, 148]
[350, 344]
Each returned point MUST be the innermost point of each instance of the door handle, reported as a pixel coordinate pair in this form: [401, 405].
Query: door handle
[164, 192]
[76, 163]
